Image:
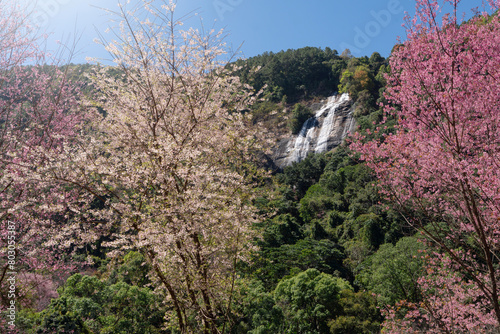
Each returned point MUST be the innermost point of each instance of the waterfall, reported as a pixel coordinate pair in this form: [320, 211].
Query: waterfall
[303, 141]
[315, 134]
[326, 128]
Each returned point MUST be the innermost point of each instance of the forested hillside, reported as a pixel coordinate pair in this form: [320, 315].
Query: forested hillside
[139, 198]
[293, 79]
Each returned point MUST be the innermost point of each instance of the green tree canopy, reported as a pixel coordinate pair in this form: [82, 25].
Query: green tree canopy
[308, 300]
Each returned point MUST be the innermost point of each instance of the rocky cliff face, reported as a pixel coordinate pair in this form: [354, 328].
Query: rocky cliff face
[332, 122]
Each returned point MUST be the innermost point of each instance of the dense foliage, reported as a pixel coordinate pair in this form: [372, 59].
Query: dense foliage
[159, 194]
[293, 74]
[87, 304]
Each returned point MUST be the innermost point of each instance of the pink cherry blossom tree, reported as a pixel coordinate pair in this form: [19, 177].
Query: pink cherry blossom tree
[37, 114]
[169, 159]
[441, 166]
[450, 303]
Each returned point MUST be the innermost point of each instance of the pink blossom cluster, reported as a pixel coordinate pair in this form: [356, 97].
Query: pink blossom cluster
[441, 167]
[38, 113]
[450, 303]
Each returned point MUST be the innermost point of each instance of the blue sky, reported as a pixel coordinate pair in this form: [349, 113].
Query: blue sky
[363, 26]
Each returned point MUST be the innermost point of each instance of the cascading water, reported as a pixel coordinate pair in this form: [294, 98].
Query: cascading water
[303, 141]
[326, 128]
[319, 131]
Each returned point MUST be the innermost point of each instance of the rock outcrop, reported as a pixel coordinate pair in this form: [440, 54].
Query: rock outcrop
[332, 122]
